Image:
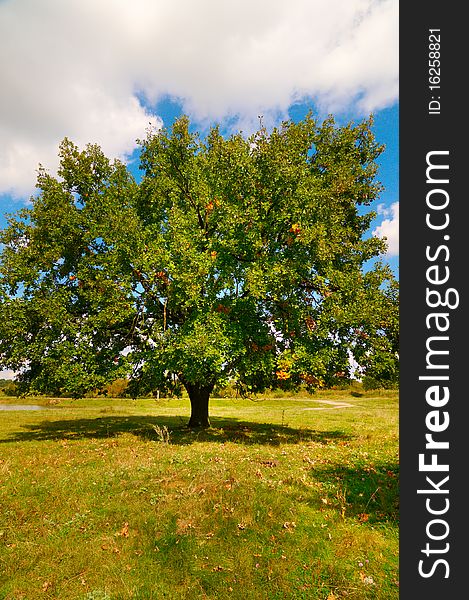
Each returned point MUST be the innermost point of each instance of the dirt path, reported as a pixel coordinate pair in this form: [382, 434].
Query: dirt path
[331, 404]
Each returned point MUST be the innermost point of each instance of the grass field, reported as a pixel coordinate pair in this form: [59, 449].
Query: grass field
[283, 498]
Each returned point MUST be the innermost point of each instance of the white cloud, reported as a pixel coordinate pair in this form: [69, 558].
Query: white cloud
[75, 68]
[7, 374]
[389, 227]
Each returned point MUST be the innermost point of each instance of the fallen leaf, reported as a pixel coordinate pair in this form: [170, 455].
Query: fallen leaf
[269, 463]
[366, 579]
[363, 517]
[182, 525]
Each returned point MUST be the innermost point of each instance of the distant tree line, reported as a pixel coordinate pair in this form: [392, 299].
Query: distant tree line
[8, 387]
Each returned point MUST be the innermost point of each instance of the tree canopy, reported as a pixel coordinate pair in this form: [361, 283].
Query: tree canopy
[233, 259]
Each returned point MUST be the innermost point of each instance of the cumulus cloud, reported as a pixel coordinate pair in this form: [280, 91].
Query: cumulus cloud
[89, 70]
[389, 227]
[7, 374]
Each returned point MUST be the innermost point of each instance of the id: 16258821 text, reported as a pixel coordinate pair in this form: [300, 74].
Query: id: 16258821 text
[434, 73]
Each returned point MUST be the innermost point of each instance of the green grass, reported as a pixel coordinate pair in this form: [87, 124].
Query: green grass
[114, 499]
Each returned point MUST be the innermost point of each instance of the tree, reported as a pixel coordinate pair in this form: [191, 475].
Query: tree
[233, 259]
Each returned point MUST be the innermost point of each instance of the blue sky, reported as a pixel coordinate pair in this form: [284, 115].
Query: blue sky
[101, 71]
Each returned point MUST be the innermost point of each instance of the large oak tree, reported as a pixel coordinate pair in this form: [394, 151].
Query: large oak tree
[233, 259]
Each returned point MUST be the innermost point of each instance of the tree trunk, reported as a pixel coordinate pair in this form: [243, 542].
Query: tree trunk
[199, 396]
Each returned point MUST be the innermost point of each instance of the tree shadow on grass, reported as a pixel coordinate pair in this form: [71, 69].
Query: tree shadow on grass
[154, 428]
[368, 493]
